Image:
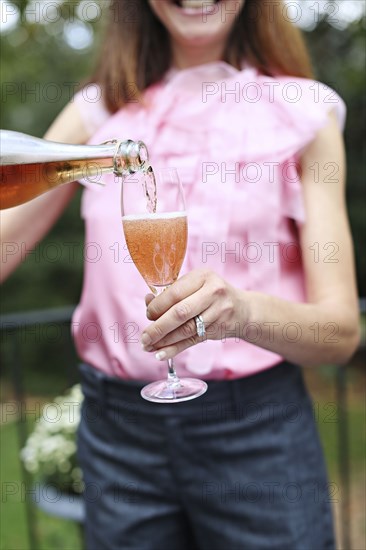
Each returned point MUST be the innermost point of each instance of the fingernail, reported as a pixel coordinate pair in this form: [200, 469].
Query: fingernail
[160, 355]
[148, 315]
[145, 339]
[148, 348]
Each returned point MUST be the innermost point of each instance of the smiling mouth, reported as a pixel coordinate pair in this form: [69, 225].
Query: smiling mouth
[195, 4]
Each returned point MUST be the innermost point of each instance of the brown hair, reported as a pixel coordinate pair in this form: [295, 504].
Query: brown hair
[136, 51]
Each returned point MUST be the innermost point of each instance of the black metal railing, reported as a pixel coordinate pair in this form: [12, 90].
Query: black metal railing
[11, 324]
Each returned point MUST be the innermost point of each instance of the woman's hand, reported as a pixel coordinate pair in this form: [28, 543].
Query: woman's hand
[200, 292]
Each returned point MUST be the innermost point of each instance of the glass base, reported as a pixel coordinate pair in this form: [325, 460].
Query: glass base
[184, 389]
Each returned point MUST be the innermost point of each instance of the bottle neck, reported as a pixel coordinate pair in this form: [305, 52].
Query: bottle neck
[130, 157]
[123, 157]
[127, 156]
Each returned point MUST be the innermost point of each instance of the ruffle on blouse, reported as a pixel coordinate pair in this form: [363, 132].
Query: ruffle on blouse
[217, 109]
[202, 116]
[208, 120]
[254, 117]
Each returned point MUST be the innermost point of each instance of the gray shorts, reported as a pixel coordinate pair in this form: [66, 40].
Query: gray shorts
[240, 468]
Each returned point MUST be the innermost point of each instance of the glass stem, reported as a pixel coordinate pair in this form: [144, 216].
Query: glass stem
[171, 369]
[173, 379]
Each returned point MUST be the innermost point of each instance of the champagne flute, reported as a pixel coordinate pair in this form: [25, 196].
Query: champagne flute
[156, 237]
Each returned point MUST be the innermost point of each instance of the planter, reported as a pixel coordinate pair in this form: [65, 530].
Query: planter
[57, 503]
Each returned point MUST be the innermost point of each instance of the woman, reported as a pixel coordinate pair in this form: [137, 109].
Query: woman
[223, 91]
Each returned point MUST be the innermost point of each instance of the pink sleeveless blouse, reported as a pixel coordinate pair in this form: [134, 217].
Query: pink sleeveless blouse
[236, 138]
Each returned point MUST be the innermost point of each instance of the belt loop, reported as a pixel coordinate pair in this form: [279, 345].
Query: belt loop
[93, 384]
[235, 400]
[99, 381]
[102, 393]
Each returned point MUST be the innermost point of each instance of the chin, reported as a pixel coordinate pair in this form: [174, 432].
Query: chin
[198, 39]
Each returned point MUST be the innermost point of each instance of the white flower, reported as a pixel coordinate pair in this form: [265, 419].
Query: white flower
[76, 473]
[51, 446]
[64, 466]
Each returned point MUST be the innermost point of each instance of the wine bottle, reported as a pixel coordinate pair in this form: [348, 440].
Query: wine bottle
[31, 166]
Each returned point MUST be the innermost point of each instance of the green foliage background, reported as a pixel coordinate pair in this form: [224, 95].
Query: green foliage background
[39, 71]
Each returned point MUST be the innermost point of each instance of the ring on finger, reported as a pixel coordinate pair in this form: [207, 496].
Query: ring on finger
[200, 326]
